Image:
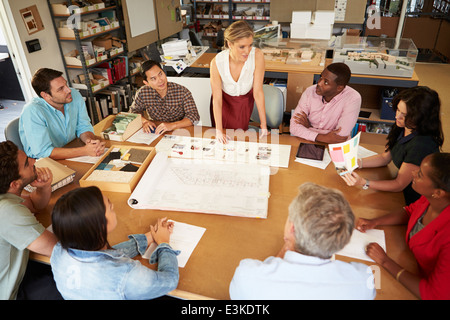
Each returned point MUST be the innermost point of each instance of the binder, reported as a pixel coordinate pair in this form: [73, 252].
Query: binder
[62, 175]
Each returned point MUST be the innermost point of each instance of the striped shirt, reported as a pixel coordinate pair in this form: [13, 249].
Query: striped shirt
[175, 106]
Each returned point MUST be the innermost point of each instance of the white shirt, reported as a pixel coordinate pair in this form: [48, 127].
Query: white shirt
[245, 81]
[301, 277]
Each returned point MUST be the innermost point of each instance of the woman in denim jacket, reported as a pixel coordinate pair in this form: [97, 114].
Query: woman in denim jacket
[85, 266]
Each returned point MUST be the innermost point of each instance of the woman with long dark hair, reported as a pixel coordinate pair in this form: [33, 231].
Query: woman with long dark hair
[86, 267]
[416, 133]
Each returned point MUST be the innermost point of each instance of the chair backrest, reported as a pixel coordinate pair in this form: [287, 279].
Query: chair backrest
[12, 133]
[274, 107]
[201, 92]
[194, 39]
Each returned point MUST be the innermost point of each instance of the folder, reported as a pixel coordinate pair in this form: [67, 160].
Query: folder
[62, 175]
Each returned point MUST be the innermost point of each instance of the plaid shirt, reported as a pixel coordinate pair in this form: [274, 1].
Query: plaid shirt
[175, 106]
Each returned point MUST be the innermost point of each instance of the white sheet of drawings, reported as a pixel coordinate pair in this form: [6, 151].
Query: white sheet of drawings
[358, 242]
[142, 137]
[206, 186]
[273, 154]
[184, 237]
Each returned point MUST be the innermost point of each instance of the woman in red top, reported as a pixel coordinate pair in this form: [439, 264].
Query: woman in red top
[428, 232]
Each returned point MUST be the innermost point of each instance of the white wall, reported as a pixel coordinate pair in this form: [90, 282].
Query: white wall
[49, 56]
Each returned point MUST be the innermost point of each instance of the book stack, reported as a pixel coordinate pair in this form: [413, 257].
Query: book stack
[62, 175]
[175, 48]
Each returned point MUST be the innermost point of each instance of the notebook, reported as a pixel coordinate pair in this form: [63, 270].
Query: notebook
[62, 175]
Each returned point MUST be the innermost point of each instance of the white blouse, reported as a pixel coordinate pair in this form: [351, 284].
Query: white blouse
[245, 81]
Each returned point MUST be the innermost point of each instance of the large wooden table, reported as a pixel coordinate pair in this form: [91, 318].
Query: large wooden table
[228, 239]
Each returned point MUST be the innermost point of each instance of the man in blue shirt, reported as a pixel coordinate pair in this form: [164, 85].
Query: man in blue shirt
[319, 224]
[57, 116]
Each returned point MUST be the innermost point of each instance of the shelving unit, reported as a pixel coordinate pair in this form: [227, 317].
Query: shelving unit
[230, 12]
[72, 39]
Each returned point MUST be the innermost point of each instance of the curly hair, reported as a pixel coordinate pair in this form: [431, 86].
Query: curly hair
[423, 114]
[9, 165]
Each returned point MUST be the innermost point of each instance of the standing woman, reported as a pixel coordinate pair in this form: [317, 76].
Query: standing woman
[416, 133]
[237, 76]
[427, 234]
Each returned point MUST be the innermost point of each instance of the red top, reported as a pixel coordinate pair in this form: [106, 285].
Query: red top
[431, 247]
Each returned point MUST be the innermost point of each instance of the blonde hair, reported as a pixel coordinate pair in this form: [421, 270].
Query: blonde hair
[237, 30]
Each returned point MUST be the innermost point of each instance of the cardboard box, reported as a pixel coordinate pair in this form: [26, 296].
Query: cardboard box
[111, 133]
[103, 41]
[72, 60]
[126, 187]
[69, 33]
[62, 9]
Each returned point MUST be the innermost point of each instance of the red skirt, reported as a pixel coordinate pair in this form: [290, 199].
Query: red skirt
[236, 110]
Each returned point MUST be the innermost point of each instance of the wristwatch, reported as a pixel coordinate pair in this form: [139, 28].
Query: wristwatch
[366, 185]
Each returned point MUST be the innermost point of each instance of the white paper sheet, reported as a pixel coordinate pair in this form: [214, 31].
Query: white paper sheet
[88, 159]
[357, 245]
[315, 163]
[205, 186]
[185, 238]
[276, 155]
[142, 137]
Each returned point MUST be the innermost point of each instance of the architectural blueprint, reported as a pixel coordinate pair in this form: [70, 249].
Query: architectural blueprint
[206, 186]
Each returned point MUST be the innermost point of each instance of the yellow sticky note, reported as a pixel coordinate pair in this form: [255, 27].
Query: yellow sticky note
[346, 148]
[353, 161]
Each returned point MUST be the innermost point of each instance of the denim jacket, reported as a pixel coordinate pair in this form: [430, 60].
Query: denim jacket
[113, 274]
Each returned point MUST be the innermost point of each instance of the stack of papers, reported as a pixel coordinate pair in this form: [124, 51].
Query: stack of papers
[175, 48]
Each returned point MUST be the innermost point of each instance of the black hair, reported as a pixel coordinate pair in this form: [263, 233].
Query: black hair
[440, 172]
[9, 165]
[342, 72]
[78, 219]
[422, 116]
[147, 65]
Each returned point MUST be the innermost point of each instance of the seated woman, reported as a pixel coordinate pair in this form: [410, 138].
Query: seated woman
[428, 231]
[85, 266]
[416, 133]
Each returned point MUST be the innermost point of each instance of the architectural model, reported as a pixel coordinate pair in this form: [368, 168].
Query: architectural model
[381, 58]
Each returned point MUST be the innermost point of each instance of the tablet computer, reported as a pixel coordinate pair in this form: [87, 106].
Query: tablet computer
[310, 151]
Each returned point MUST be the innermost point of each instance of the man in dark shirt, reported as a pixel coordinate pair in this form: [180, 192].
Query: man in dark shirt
[164, 101]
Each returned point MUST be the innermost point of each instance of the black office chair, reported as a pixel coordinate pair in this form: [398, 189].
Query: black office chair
[220, 40]
[194, 39]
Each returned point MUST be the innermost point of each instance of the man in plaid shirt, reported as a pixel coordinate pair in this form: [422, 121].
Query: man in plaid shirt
[168, 102]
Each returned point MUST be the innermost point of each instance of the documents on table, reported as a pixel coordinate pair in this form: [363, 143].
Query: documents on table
[88, 159]
[204, 186]
[184, 237]
[322, 164]
[356, 248]
[142, 137]
[276, 155]
[345, 155]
